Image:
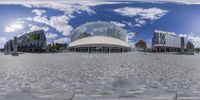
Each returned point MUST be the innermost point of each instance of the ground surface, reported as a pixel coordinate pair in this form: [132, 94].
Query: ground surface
[99, 76]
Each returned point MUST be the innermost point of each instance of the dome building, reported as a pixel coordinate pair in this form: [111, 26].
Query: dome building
[99, 37]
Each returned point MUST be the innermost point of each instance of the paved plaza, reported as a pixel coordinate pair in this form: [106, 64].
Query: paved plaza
[129, 75]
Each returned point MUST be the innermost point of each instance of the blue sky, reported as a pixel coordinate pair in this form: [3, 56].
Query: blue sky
[59, 18]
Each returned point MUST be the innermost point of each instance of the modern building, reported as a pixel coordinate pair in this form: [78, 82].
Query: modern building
[8, 47]
[190, 48]
[163, 41]
[99, 37]
[30, 42]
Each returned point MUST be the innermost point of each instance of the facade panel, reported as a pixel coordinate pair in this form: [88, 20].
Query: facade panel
[30, 42]
[99, 29]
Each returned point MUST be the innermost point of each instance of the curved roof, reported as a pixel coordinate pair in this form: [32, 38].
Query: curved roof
[99, 40]
[99, 28]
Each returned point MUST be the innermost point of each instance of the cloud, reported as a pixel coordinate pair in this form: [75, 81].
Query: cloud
[179, 1]
[150, 13]
[62, 40]
[29, 18]
[139, 22]
[58, 3]
[41, 19]
[118, 23]
[68, 7]
[35, 28]
[195, 39]
[131, 35]
[130, 24]
[164, 1]
[183, 35]
[2, 41]
[60, 23]
[51, 35]
[141, 15]
[38, 12]
[14, 27]
[53, 3]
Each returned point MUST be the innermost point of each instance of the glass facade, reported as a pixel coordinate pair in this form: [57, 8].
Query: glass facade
[32, 42]
[99, 29]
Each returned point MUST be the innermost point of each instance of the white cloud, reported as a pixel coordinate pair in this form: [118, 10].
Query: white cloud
[2, 41]
[62, 40]
[118, 23]
[150, 13]
[141, 15]
[35, 28]
[60, 23]
[142, 22]
[163, 1]
[13, 27]
[130, 24]
[195, 39]
[179, 1]
[131, 35]
[51, 35]
[58, 4]
[41, 19]
[183, 35]
[139, 22]
[38, 12]
[29, 19]
[31, 3]
[68, 7]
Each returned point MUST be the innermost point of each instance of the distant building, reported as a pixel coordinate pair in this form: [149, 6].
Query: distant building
[30, 42]
[163, 41]
[99, 37]
[8, 47]
[190, 48]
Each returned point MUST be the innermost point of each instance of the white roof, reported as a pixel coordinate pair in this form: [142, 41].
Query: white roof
[164, 32]
[99, 40]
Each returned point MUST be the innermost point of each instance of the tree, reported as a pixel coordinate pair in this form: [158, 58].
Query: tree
[141, 44]
[197, 49]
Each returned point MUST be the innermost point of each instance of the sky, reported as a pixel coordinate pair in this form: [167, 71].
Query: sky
[138, 17]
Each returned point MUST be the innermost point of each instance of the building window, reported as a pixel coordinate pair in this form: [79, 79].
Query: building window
[162, 39]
